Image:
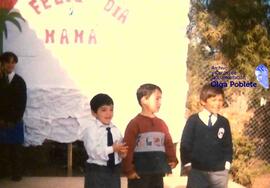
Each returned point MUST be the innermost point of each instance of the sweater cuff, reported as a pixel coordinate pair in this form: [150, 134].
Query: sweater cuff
[130, 170]
[128, 173]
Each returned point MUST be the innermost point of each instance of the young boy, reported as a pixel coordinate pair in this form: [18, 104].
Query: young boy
[151, 152]
[102, 141]
[206, 144]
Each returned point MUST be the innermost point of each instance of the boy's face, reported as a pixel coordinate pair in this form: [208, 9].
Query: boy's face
[104, 114]
[9, 67]
[213, 104]
[153, 102]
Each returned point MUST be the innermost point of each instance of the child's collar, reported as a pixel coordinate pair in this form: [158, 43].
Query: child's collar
[207, 113]
[99, 123]
[146, 116]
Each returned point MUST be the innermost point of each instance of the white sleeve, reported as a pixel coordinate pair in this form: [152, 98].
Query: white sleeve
[96, 150]
[227, 165]
[188, 164]
[119, 140]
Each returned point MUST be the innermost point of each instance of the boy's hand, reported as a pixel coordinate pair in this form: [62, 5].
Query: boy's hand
[172, 164]
[119, 147]
[134, 175]
[186, 170]
[123, 152]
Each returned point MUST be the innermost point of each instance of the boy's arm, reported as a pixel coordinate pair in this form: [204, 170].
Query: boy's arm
[169, 147]
[122, 152]
[187, 143]
[130, 140]
[228, 146]
[94, 146]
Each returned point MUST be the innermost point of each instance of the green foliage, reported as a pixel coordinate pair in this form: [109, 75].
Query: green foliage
[234, 33]
[7, 15]
[245, 164]
[236, 28]
[248, 49]
[198, 71]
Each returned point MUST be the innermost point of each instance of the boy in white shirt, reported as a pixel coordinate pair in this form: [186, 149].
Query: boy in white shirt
[102, 141]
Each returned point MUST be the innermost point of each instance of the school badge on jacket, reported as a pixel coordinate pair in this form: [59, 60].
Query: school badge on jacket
[221, 132]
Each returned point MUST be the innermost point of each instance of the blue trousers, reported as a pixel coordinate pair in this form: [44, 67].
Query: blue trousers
[97, 176]
[12, 135]
[147, 181]
[11, 150]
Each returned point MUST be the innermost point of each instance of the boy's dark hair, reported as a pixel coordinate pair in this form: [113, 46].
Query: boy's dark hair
[146, 90]
[99, 100]
[210, 91]
[6, 57]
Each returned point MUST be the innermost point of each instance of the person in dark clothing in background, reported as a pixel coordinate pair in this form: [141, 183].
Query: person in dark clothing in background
[12, 106]
[206, 144]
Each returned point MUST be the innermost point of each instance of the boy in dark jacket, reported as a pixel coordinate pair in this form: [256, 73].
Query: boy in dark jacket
[206, 144]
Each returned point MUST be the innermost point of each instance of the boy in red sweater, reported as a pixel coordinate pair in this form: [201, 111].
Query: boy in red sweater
[151, 152]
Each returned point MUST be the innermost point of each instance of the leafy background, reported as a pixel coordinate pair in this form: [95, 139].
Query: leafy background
[235, 34]
[7, 14]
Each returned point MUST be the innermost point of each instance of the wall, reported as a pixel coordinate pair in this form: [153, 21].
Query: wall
[71, 50]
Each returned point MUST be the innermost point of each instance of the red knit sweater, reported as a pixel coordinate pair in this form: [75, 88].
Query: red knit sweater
[149, 138]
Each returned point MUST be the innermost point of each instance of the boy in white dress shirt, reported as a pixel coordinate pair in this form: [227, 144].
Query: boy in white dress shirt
[102, 141]
[206, 144]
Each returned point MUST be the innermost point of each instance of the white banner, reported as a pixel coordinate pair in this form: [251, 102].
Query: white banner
[70, 50]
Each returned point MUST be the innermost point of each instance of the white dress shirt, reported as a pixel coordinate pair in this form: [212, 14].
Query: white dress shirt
[95, 142]
[204, 116]
[10, 76]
